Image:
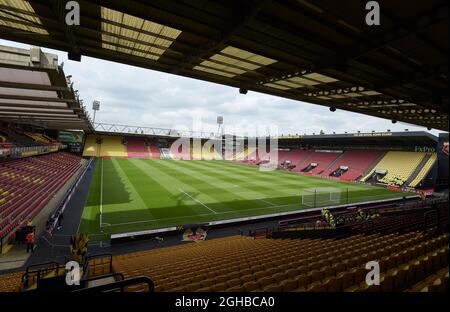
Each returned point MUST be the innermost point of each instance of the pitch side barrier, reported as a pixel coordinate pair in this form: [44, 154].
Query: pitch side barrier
[67, 197]
[168, 231]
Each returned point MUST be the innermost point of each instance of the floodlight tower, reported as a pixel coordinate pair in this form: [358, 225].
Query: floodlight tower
[220, 126]
[220, 134]
[95, 108]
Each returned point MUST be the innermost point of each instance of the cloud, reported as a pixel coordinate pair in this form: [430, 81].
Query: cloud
[142, 97]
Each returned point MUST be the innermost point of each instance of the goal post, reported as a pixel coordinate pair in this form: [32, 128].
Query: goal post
[321, 198]
[308, 199]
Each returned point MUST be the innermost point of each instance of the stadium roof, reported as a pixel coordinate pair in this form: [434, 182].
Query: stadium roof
[374, 139]
[318, 51]
[34, 90]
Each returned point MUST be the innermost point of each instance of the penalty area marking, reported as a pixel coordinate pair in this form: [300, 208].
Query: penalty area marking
[267, 202]
[196, 200]
[200, 215]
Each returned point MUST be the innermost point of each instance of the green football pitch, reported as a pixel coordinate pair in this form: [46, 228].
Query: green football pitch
[128, 195]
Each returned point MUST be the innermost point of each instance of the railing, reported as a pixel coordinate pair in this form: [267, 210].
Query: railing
[107, 257]
[17, 152]
[117, 277]
[140, 130]
[119, 286]
[67, 198]
[37, 274]
[349, 217]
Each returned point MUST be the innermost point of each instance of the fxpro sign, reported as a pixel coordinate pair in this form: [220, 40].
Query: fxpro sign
[424, 149]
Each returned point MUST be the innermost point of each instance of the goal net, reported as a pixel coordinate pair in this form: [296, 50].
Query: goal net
[320, 198]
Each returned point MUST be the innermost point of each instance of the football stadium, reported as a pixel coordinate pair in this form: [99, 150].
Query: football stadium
[92, 206]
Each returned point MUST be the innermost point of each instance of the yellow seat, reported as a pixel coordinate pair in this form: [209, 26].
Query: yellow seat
[267, 280]
[278, 277]
[238, 288]
[234, 282]
[273, 288]
[302, 281]
[288, 285]
[387, 283]
[398, 164]
[333, 284]
[221, 279]
[348, 279]
[317, 288]
[247, 278]
[251, 286]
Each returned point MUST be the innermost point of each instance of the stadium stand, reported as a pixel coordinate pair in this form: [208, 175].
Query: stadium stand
[435, 283]
[17, 138]
[282, 156]
[322, 161]
[26, 186]
[411, 221]
[209, 152]
[244, 154]
[22, 140]
[165, 153]
[7, 145]
[244, 264]
[40, 138]
[137, 148]
[196, 152]
[410, 260]
[297, 157]
[10, 282]
[4, 140]
[399, 166]
[110, 146]
[91, 147]
[378, 218]
[154, 149]
[357, 161]
[424, 169]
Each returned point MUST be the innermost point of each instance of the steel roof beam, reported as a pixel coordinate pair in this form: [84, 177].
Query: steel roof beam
[35, 98]
[32, 86]
[242, 13]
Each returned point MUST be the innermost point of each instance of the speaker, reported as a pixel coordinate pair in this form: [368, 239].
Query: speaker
[74, 56]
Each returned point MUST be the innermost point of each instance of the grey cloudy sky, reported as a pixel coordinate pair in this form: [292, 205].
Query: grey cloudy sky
[142, 97]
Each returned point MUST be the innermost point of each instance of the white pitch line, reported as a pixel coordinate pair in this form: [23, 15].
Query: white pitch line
[195, 199]
[266, 201]
[199, 215]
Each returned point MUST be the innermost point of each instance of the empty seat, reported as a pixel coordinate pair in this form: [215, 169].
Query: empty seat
[289, 285]
[273, 288]
[251, 286]
[263, 282]
[219, 287]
